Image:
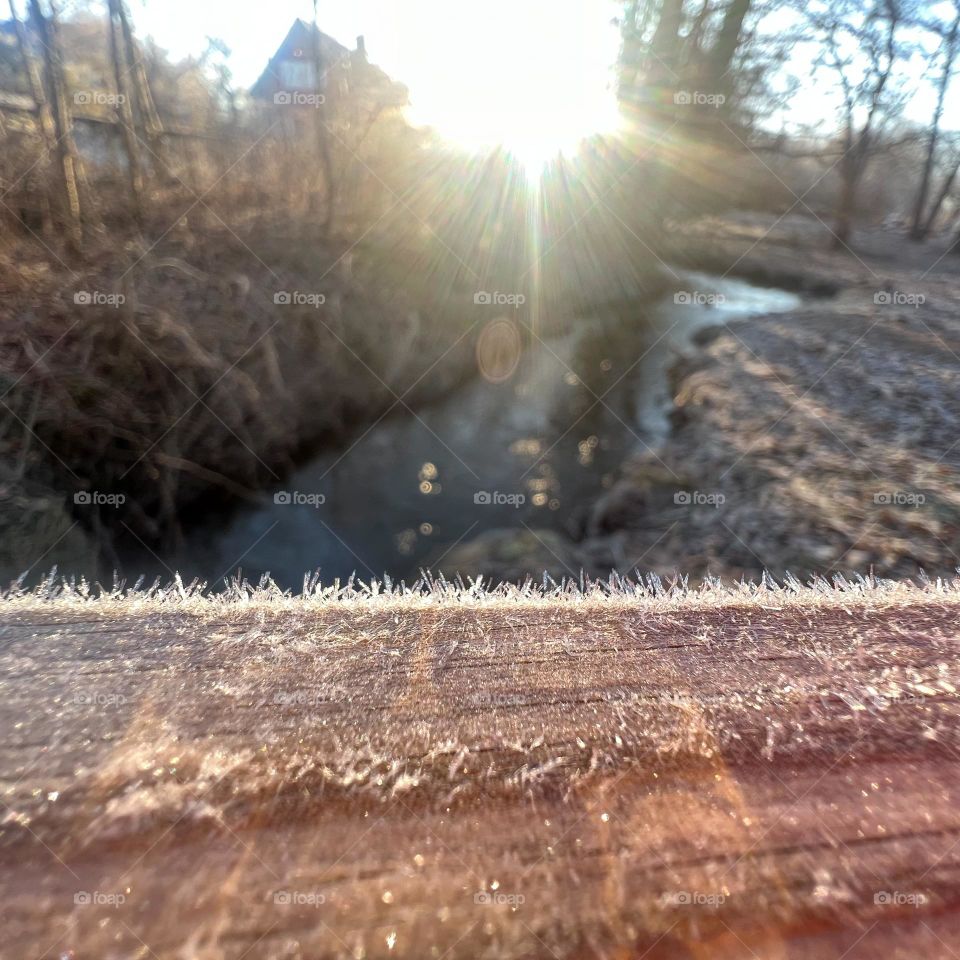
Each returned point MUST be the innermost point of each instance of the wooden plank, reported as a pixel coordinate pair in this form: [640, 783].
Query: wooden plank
[453, 779]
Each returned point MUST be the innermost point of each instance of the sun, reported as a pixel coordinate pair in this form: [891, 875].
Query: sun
[536, 137]
[518, 78]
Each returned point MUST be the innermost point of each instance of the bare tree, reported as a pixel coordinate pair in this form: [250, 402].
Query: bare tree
[665, 46]
[121, 71]
[861, 47]
[949, 37]
[47, 31]
[668, 45]
[34, 80]
[215, 57]
[720, 57]
[950, 177]
[669, 49]
[44, 118]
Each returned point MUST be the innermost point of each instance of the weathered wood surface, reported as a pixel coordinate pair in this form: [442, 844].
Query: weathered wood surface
[617, 780]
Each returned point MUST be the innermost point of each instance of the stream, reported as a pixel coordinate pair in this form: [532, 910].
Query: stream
[534, 450]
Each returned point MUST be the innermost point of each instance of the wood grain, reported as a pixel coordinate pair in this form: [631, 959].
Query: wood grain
[594, 780]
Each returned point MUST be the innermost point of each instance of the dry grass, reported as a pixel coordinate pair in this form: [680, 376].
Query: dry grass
[198, 385]
[828, 432]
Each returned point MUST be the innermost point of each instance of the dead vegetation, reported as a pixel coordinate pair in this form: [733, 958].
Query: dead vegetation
[820, 439]
[182, 311]
[198, 381]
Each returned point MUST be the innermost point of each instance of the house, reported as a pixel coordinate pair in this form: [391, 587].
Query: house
[361, 108]
[291, 76]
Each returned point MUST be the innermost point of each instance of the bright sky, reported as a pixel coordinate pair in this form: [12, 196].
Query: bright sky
[535, 74]
[817, 102]
[525, 72]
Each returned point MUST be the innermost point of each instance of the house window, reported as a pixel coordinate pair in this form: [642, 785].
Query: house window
[298, 75]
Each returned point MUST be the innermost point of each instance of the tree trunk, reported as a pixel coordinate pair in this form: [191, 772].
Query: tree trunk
[696, 32]
[323, 132]
[35, 81]
[858, 146]
[665, 45]
[917, 230]
[66, 148]
[152, 124]
[125, 111]
[43, 118]
[846, 208]
[725, 47]
[935, 208]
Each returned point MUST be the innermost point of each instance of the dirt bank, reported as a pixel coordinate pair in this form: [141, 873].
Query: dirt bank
[819, 439]
[724, 774]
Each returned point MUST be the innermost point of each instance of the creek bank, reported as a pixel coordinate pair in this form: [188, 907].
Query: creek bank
[498, 478]
[210, 377]
[822, 439]
[418, 480]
